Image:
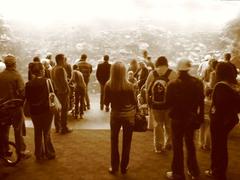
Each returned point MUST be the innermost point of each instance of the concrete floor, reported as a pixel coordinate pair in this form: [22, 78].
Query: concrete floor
[93, 118]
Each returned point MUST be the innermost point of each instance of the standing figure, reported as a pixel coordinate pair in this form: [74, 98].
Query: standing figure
[79, 91]
[185, 98]
[156, 100]
[103, 74]
[37, 94]
[12, 87]
[120, 94]
[86, 69]
[223, 118]
[60, 82]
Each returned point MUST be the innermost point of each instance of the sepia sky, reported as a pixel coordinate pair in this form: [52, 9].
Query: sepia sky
[187, 13]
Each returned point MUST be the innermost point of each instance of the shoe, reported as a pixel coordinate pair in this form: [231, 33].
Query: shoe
[65, 131]
[107, 109]
[81, 116]
[76, 117]
[192, 176]
[170, 175]
[209, 173]
[158, 150]
[88, 107]
[101, 107]
[112, 171]
[124, 170]
[25, 154]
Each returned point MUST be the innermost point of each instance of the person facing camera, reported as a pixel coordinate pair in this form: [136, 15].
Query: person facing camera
[120, 94]
[37, 93]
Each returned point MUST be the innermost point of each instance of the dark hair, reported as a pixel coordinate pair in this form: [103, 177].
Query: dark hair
[59, 58]
[105, 57]
[36, 59]
[161, 61]
[227, 57]
[37, 68]
[83, 57]
[225, 72]
[75, 67]
[214, 64]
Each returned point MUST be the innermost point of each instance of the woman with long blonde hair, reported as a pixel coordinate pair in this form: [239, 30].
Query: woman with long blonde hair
[120, 94]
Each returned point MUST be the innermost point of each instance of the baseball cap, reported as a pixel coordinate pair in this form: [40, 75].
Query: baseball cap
[184, 65]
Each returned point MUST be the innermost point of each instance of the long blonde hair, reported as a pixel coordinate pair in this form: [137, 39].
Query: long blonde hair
[118, 77]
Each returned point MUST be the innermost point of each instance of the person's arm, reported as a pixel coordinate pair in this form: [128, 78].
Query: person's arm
[148, 84]
[201, 102]
[20, 87]
[62, 77]
[98, 73]
[170, 94]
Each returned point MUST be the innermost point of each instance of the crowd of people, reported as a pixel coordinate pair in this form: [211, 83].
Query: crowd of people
[177, 103]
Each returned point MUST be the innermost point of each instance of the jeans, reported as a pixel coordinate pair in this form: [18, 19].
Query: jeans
[62, 117]
[79, 97]
[183, 130]
[219, 151]
[19, 131]
[162, 129]
[116, 123]
[42, 128]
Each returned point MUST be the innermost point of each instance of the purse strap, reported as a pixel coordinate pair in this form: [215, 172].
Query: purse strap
[49, 86]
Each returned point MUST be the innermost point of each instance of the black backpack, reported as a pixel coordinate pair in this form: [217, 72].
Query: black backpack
[157, 90]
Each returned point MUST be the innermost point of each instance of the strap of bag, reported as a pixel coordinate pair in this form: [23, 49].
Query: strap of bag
[49, 86]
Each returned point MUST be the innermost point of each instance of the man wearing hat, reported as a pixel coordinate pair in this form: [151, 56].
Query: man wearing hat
[185, 98]
[12, 87]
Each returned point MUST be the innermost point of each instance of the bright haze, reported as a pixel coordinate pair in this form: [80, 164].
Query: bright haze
[181, 14]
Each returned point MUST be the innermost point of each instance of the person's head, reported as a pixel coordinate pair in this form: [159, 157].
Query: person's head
[214, 64]
[75, 67]
[60, 59]
[37, 69]
[36, 59]
[130, 74]
[118, 77]
[49, 56]
[225, 72]
[184, 65]
[227, 57]
[46, 63]
[10, 61]
[83, 57]
[145, 54]
[142, 64]
[161, 61]
[106, 58]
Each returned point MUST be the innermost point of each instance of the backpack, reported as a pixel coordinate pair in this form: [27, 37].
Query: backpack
[158, 90]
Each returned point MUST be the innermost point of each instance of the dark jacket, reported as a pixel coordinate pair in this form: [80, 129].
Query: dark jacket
[11, 85]
[36, 93]
[86, 69]
[226, 105]
[121, 101]
[103, 72]
[184, 96]
[60, 81]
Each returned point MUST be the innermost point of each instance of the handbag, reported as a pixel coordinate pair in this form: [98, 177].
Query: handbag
[54, 104]
[140, 124]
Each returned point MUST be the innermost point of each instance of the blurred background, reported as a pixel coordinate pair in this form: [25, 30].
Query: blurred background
[120, 28]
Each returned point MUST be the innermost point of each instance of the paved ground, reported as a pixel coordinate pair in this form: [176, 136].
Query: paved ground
[84, 154]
